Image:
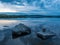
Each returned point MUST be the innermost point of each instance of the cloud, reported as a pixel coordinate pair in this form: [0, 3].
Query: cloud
[44, 7]
[7, 7]
[25, 8]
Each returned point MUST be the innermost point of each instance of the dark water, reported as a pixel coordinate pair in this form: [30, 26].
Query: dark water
[52, 24]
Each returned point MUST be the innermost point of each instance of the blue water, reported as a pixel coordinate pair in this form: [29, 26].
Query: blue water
[52, 24]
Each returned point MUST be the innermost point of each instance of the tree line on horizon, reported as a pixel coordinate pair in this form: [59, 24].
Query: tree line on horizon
[27, 16]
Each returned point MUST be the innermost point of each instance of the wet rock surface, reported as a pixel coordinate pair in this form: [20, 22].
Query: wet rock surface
[45, 35]
[20, 30]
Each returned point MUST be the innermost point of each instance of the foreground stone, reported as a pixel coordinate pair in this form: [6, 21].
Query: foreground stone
[20, 30]
[45, 35]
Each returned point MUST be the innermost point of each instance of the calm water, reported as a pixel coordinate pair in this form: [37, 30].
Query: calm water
[35, 24]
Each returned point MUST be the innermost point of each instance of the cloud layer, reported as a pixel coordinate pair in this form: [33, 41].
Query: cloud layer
[7, 7]
[32, 6]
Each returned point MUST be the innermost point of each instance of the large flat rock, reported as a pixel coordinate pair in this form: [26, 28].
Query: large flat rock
[45, 35]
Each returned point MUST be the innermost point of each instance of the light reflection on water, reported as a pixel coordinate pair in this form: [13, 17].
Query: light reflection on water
[52, 24]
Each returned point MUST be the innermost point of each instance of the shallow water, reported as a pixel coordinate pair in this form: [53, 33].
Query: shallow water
[35, 24]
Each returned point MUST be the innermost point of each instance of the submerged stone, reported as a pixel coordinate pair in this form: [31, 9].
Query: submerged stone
[20, 30]
[5, 26]
[45, 35]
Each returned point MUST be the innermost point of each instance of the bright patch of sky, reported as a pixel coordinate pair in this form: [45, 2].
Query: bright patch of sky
[31, 6]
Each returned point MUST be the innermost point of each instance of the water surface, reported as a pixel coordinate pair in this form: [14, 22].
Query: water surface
[52, 24]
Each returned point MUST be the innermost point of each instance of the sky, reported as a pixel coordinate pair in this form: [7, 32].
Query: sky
[44, 7]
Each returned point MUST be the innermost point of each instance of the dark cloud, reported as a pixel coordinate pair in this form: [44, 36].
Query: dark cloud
[6, 0]
[31, 6]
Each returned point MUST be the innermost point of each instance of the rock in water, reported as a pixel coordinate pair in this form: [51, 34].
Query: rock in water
[45, 35]
[20, 30]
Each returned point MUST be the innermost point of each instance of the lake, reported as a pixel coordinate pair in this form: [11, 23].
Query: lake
[52, 24]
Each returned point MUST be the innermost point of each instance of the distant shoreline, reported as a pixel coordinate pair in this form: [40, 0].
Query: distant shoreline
[27, 16]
